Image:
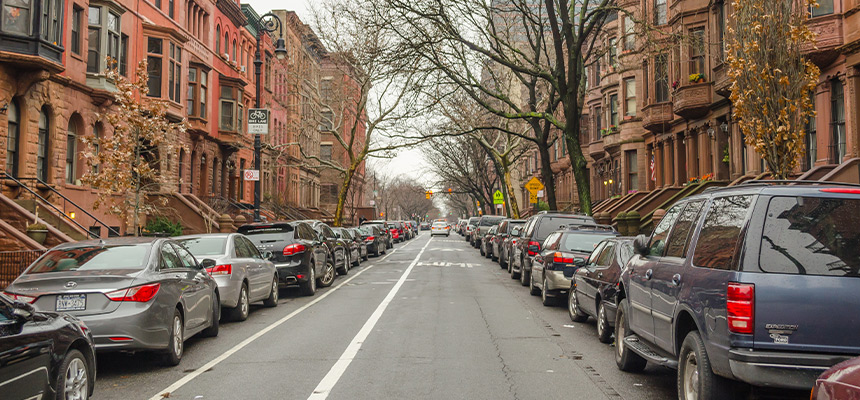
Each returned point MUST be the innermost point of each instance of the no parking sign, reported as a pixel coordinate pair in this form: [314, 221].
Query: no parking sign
[252, 175]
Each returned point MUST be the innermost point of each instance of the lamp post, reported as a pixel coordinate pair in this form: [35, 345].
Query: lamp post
[267, 23]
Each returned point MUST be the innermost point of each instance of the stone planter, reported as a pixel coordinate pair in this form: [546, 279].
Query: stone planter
[38, 235]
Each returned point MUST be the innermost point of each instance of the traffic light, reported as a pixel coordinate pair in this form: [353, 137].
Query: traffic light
[450, 190]
[381, 214]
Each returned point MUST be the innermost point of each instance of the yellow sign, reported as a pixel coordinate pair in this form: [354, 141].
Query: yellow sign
[534, 186]
[533, 197]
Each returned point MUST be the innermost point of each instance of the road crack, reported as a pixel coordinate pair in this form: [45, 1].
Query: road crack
[512, 387]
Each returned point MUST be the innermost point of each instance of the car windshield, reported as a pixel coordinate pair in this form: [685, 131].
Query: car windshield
[490, 221]
[366, 229]
[132, 256]
[583, 242]
[551, 224]
[205, 246]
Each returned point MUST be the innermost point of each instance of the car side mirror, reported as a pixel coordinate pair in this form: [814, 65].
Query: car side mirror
[267, 255]
[23, 311]
[579, 261]
[207, 263]
[640, 245]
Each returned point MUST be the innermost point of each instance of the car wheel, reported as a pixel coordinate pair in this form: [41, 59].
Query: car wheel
[544, 295]
[366, 256]
[696, 379]
[376, 252]
[357, 261]
[272, 300]
[502, 262]
[533, 290]
[243, 308]
[177, 340]
[73, 382]
[212, 330]
[576, 315]
[482, 250]
[345, 268]
[604, 331]
[514, 274]
[309, 288]
[524, 276]
[625, 359]
[328, 275]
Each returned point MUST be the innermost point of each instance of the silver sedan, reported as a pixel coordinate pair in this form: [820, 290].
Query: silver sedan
[243, 274]
[133, 293]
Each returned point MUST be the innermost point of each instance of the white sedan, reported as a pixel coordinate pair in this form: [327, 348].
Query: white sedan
[440, 228]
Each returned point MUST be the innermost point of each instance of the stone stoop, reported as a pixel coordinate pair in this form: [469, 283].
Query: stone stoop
[50, 215]
[13, 223]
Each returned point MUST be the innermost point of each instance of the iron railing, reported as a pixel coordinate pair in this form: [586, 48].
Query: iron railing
[12, 263]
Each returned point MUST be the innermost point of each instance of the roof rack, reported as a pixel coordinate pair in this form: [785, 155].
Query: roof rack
[767, 182]
[590, 227]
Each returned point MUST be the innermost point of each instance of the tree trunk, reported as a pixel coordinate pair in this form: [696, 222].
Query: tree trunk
[548, 177]
[578, 165]
[344, 191]
[511, 197]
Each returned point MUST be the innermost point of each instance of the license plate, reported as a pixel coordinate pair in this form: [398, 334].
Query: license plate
[71, 302]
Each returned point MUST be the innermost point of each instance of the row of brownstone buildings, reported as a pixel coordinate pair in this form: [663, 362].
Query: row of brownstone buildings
[200, 54]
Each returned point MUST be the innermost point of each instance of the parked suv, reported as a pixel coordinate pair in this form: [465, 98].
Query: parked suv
[483, 226]
[500, 246]
[534, 232]
[756, 283]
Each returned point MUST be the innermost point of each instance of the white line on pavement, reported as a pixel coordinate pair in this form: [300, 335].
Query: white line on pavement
[187, 378]
[327, 383]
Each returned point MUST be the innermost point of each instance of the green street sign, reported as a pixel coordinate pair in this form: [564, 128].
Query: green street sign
[498, 197]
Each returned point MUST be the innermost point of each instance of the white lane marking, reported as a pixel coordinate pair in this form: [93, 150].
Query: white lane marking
[187, 378]
[327, 383]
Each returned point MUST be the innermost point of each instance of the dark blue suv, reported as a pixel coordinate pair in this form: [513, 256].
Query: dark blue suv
[756, 283]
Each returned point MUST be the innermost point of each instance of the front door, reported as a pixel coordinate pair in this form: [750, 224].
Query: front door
[198, 301]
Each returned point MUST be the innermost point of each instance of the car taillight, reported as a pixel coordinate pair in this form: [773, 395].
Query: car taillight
[294, 249]
[225, 269]
[533, 243]
[369, 239]
[142, 293]
[561, 259]
[21, 297]
[740, 307]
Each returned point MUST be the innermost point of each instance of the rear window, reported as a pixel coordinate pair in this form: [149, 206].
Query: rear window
[582, 242]
[205, 246]
[551, 224]
[93, 258]
[811, 236]
[268, 234]
[441, 224]
[491, 221]
[473, 221]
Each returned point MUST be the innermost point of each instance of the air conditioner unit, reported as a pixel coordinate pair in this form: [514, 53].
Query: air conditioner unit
[226, 56]
[242, 68]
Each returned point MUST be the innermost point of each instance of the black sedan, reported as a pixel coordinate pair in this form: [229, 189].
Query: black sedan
[357, 250]
[338, 254]
[595, 286]
[44, 354]
[375, 237]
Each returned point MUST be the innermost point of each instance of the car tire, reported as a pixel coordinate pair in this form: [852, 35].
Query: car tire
[696, 378]
[366, 256]
[482, 250]
[376, 252]
[625, 359]
[345, 268]
[243, 307]
[328, 275]
[272, 300]
[175, 346]
[545, 298]
[309, 288]
[212, 330]
[75, 369]
[357, 261]
[524, 276]
[604, 331]
[493, 257]
[503, 264]
[576, 315]
[533, 290]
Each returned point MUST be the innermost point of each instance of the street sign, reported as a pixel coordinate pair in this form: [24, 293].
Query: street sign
[373, 202]
[258, 121]
[251, 175]
[534, 185]
[498, 197]
[532, 197]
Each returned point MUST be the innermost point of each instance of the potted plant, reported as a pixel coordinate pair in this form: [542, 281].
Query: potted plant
[697, 78]
[38, 232]
[726, 155]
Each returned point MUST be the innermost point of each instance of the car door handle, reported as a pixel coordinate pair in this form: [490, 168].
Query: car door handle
[676, 279]
[648, 274]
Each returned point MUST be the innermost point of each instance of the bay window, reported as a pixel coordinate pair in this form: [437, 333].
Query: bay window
[103, 36]
[613, 110]
[75, 38]
[661, 78]
[174, 73]
[661, 12]
[231, 106]
[154, 52]
[630, 96]
[32, 27]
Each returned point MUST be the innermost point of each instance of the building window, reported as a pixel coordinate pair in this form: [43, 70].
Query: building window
[94, 40]
[174, 73]
[171, 5]
[226, 52]
[203, 94]
[811, 139]
[629, 33]
[96, 146]
[12, 138]
[632, 170]
[217, 39]
[190, 101]
[613, 52]
[630, 96]
[181, 167]
[52, 15]
[154, 52]
[721, 29]
[327, 123]
[598, 122]
[241, 181]
[660, 12]
[268, 77]
[75, 38]
[325, 151]
[42, 146]
[123, 55]
[71, 152]
[16, 16]
[231, 106]
[103, 35]
[613, 110]
[158, 4]
[661, 78]
[236, 60]
[837, 121]
[825, 7]
[597, 72]
[697, 52]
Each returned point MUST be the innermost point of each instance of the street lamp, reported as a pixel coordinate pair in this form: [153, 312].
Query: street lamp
[267, 23]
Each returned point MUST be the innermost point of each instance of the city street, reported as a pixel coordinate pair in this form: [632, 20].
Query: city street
[432, 319]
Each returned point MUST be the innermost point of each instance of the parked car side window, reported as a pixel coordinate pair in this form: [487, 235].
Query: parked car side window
[307, 232]
[551, 242]
[327, 232]
[721, 230]
[169, 259]
[241, 249]
[677, 242]
[592, 259]
[188, 260]
[812, 236]
[253, 251]
[658, 239]
[606, 256]
[626, 253]
[529, 227]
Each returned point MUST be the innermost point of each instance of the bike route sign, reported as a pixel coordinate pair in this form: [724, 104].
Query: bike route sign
[258, 121]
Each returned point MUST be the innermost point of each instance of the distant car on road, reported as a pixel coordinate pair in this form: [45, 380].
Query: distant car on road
[243, 274]
[132, 293]
[535, 231]
[44, 355]
[487, 242]
[440, 228]
[425, 226]
[376, 238]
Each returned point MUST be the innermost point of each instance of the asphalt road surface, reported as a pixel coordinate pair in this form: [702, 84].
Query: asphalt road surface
[431, 320]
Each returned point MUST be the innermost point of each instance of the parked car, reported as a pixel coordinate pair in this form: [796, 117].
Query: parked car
[470, 226]
[560, 255]
[405, 231]
[297, 252]
[353, 246]
[484, 224]
[384, 232]
[503, 234]
[376, 237]
[338, 254]
[244, 275]
[440, 228]
[396, 232]
[415, 228]
[461, 226]
[594, 290]
[754, 283]
[132, 293]
[362, 244]
[486, 245]
[44, 354]
[509, 248]
[535, 231]
[840, 382]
